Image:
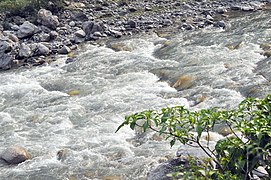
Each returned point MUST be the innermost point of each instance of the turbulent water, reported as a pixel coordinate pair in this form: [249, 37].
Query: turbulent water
[36, 111]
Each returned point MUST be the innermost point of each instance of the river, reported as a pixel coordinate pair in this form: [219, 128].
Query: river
[37, 112]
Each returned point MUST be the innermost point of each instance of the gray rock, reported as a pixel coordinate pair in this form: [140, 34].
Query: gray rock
[46, 18]
[97, 34]
[45, 37]
[42, 49]
[15, 155]
[80, 16]
[13, 38]
[24, 51]
[72, 24]
[220, 24]
[27, 29]
[5, 61]
[53, 35]
[5, 46]
[90, 27]
[132, 24]
[80, 33]
[64, 50]
[161, 172]
[115, 33]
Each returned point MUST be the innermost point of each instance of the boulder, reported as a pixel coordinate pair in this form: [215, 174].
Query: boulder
[90, 27]
[80, 33]
[42, 49]
[162, 171]
[5, 61]
[64, 50]
[24, 51]
[47, 19]
[15, 155]
[27, 29]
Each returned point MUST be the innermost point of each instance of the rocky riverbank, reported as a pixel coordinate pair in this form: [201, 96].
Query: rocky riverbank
[36, 40]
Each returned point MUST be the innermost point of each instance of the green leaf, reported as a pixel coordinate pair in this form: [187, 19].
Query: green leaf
[132, 125]
[172, 142]
[145, 126]
[120, 127]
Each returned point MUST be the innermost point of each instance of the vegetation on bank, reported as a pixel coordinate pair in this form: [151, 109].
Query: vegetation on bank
[235, 157]
[23, 7]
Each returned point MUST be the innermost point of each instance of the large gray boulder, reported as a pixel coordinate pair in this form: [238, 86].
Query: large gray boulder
[27, 29]
[5, 61]
[15, 155]
[47, 19]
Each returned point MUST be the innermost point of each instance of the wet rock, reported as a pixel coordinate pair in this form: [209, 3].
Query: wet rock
[62, 154]
[24, 51]
[267, 53]
[80, 33]
[42, 49]
[64, 50]
[15, 155]
[265, 46]
[164, 169]
[27, 29]
[132, 24]
[70, 60]
[184, 82]
[119, 46]
[220, 24]
[264, 68]
[5, 61]
[46, 18]
[3, 162]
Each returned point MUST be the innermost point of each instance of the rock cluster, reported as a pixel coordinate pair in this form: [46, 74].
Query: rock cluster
[25, 41]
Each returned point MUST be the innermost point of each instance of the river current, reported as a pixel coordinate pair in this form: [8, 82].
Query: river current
[37, 112]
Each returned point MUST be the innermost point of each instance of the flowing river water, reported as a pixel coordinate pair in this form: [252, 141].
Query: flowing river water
[37, 113]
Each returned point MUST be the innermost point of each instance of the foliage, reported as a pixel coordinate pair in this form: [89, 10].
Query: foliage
[21, 7]
[237, 155]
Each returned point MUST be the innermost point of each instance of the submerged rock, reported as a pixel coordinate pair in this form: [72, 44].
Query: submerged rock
[15, 155]
[184, 82]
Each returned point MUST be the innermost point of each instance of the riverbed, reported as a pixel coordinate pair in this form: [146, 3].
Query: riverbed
[77, 107]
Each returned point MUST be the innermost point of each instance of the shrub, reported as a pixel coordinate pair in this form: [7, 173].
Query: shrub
[237, 155]
[25, 7]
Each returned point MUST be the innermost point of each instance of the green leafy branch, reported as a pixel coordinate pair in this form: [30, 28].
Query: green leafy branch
[239, 154]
